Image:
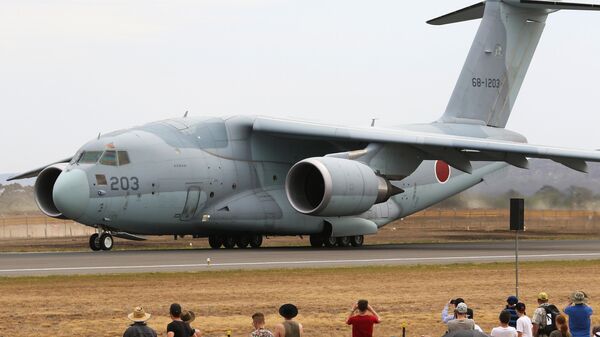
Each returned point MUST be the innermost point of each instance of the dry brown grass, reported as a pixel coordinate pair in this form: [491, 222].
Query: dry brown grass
[97, 305]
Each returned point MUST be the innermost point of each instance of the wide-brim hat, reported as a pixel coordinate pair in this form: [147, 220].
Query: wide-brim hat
[579, 297]
[288, 310]
[139, 315]
[188, 316]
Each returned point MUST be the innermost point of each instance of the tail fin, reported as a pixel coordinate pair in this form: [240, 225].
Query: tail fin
[499, 57]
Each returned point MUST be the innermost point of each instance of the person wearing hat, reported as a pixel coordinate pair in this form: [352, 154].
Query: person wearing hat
[139, 327]
[524, 326]
[289, 327]
[177, 327]
[461, 322]
[511, 301]
[579, 314]
[541, 314]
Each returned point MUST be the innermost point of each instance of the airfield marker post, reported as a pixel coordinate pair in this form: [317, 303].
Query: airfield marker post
[517, 224]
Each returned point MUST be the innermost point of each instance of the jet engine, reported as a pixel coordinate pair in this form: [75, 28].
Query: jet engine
[327, 186]
[44, 185]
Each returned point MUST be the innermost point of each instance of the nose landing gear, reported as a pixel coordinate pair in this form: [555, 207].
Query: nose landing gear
[101, 241]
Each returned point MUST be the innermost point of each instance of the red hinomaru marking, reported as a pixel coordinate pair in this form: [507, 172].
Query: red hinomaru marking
[442, 171]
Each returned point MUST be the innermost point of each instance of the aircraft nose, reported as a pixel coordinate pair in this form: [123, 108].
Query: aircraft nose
[71, 193]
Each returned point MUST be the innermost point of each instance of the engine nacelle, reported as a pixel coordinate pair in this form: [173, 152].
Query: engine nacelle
[327, 186]
[44, 185]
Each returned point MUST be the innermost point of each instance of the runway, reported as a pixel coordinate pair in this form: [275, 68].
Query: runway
[62, 263]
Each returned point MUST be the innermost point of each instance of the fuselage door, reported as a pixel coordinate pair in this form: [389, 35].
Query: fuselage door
[195, 199]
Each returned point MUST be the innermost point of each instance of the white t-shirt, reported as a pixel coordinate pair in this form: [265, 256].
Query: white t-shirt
[504, 332]
[524, 326]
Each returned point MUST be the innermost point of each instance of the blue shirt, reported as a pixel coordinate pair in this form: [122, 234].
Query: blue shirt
[513, 316]
[579, 319]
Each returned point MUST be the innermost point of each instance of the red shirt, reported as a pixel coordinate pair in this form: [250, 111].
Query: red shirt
[362, 325]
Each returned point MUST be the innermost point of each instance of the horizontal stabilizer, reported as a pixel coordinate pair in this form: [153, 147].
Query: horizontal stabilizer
[558, 5]
[468, 13]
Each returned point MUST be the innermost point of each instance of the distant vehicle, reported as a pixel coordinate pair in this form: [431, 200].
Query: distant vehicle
[235, 180]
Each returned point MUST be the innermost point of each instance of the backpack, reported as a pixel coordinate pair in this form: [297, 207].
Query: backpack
[551, 311]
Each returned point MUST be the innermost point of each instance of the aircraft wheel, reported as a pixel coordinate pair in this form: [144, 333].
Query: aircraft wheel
[316, 240]
[357, 240]
[242, 241]
[215, 241]
[106, 241]
[95, 242]
[256, 241]
[330, 241]
[343, 241]
[229, 242]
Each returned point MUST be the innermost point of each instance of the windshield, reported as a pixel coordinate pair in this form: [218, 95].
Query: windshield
[108, 157]
[89, 157]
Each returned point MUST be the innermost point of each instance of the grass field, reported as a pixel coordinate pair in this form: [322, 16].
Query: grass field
[97, 305]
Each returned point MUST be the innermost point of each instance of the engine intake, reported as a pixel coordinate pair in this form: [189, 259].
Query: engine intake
[44, 185]
[329, 186]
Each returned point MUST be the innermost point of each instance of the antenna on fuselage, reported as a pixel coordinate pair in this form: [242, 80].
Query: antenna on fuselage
[373, 121]
[99, 133]
[185, 114]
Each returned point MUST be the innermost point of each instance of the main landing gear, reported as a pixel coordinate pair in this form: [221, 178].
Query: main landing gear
[231, 241]
[320, 240]
[101, 241]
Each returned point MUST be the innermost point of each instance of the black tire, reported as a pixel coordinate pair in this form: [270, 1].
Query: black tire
[343, 241]
[229, 242]
[106, 241]
[95, 242]
[215, 241]
[316, 240]
[256, 241]
[242, 241]
[330, 241]
[357, 240]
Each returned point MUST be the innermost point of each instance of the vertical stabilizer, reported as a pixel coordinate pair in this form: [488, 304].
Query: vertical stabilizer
[497, 63]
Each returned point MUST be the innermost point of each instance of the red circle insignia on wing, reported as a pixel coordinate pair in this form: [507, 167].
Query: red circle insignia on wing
[442, 171]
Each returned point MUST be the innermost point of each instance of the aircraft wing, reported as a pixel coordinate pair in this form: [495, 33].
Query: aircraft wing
[36, 172]
[457, 151]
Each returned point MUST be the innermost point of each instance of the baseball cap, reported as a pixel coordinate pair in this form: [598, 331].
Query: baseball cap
[461, 308]
[512, 300]
[543, 296]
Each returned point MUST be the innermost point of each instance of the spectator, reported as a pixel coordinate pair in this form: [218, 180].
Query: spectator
[461, 322]
[596, 331]
[562, 327]
[362, 318]
[258, 321]
[188, 317]
[524, 326]
[511, 301]
[579, 315]
[289, 327]
[445, 316]
[139, 327]
[543, 315]
[504, 330]
[178, 328]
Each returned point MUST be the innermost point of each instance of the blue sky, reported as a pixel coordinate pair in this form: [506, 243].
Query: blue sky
[72, 69]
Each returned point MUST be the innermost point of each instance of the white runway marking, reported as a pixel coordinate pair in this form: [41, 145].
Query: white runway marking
[309, 262]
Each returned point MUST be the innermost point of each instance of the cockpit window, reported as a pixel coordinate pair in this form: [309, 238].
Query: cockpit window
[123, 157]
[109, 158]
[89, 157]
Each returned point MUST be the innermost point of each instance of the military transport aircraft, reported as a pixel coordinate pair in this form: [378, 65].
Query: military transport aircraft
[235, 180]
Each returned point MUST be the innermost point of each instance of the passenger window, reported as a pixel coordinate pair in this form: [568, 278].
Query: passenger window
[109, 158]
[89, 157]
[123, 157]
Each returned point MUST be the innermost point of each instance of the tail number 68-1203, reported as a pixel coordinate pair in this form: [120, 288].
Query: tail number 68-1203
[124, 183]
